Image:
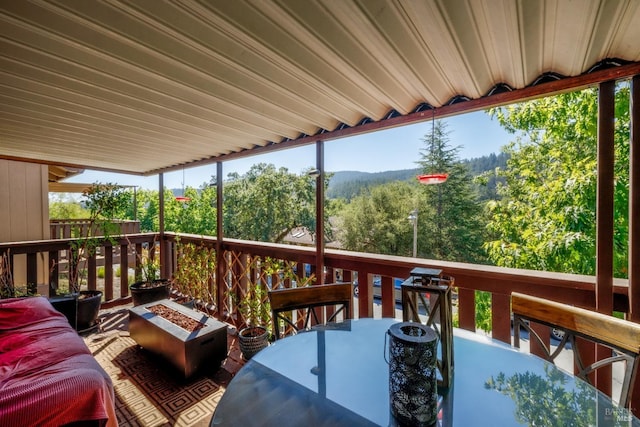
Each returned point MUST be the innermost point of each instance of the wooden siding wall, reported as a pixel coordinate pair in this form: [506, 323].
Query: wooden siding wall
[24, 209]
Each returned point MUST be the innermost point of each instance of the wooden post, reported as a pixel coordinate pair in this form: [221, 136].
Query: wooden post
[92, 265]
[604, 216]
[605, 198]
[466, 308]
[320, 213]
[634, 223]
[164, 255]
[220, 260]
[634, 206]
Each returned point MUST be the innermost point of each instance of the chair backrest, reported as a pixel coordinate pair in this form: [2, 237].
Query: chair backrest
[309, 300]
[621, 336]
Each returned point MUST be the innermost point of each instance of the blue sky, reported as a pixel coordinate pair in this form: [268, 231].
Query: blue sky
[391, 149]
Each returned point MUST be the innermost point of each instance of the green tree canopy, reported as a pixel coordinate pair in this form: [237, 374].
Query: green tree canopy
[147, 210]
[196, 215]
[376, 222]
[262, 205]
[546, 217]
[106, 202]
[267, 203]
[65, 206]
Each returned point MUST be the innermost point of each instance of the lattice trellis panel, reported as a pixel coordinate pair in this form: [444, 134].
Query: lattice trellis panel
[250, 277]
[195, 274]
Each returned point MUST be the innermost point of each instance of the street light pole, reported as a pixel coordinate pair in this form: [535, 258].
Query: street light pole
[413, 217]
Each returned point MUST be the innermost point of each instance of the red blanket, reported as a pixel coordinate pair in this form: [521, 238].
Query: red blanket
[48, 376]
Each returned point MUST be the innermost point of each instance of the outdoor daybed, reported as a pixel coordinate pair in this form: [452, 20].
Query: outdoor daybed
[48, 376]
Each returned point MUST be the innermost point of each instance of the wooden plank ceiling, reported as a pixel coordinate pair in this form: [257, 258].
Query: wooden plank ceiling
[142, 86]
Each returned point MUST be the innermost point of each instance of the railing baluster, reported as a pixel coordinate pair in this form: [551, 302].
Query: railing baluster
[108, 272]
[365, 294]
[124, 270]
[466, 308]
[32, 273]
[347, 276]
[388, 297]
[138, 260]
[92, 267]
[500, 318]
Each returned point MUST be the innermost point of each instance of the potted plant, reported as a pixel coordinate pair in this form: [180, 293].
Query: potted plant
[194, 276]
[149, 286]
[104, 202]
[254, 305]
[256, 311]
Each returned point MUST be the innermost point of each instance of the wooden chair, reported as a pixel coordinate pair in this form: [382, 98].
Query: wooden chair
[621, 336]
[310, 300]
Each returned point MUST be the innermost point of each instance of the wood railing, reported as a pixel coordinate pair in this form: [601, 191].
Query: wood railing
[67, 228]
[241, 263]
[469, 278]
[49, 258]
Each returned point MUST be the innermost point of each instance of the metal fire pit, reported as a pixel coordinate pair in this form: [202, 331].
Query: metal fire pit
[187, 351]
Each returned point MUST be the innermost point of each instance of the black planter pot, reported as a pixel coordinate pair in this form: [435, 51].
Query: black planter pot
[182, 299]
[88, 309]
[67, 305]
[252, 339]
[186, 302]
[144, 292]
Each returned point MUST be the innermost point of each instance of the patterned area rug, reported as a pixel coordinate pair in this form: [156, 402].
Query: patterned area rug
[148, 391]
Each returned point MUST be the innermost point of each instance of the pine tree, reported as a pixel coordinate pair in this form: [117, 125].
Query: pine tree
[450, 216]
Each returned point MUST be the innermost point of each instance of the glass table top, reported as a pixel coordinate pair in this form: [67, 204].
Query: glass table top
[338, 376]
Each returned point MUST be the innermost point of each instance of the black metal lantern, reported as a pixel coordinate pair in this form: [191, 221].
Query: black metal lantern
[412, 361]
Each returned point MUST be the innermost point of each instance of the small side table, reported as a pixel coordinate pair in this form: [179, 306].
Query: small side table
[439, 315]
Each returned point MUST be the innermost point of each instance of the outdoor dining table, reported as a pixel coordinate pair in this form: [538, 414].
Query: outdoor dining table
[338, 375]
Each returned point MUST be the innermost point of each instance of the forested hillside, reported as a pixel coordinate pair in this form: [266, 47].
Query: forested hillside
[484, 168]
[348, 184]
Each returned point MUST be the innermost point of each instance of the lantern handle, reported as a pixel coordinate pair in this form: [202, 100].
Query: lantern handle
[385, 347]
